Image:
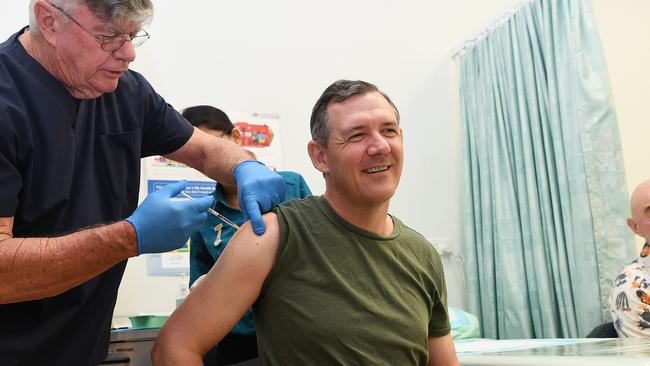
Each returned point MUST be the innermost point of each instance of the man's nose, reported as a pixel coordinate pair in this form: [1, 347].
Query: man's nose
[126, 52]
[378, 145]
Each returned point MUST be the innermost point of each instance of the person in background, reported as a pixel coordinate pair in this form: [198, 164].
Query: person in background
[629, 302]
[74, 124]
[335, 279]
[207, 244]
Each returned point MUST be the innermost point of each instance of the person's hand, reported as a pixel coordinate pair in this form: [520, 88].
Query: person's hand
[162, 224]
[196, 282]
[258, 190]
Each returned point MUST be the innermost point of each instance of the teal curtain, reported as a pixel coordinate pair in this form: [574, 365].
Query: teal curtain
[545, 193]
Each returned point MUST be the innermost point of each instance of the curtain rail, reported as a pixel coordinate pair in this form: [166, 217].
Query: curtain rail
[486, 30]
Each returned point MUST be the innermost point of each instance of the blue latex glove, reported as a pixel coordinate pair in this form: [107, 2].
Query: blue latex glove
[162, 224]
[258, 190]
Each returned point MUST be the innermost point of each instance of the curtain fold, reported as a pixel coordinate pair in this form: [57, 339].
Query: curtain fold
[545, 194]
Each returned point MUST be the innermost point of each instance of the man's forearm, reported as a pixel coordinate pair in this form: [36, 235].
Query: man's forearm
[35, 268]
[226, 156]
[213, 156]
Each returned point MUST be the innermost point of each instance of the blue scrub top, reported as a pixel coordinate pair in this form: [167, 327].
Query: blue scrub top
[67, 164]
[207, 245]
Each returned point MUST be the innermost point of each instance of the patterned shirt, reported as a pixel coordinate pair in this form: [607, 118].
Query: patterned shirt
[629, 302]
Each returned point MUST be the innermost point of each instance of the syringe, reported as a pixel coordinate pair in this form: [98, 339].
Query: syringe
[216, 214]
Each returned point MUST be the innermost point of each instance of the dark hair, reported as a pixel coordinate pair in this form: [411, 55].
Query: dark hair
[338, 92]
[211, 117]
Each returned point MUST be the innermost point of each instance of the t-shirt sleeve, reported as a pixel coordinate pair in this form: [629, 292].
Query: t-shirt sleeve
[10, 179]
[439, 322]
[164, 129]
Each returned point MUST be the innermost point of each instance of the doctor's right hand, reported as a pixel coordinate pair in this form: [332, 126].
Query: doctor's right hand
[162, 224]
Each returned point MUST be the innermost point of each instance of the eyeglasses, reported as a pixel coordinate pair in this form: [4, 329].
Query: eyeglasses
[111, 43]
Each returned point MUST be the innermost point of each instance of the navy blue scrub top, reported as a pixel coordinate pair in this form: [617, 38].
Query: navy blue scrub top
[67, 164]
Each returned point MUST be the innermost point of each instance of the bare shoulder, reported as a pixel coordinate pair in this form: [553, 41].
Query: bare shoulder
[246, 242]
[270, 222]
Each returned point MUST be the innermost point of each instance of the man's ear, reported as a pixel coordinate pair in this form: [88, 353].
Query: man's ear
[46, 20]
[236, 135]
[318, 157]
[633, 226]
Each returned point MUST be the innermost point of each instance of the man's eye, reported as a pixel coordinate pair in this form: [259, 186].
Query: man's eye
[390, 132]
[356, 137]
[105, 37]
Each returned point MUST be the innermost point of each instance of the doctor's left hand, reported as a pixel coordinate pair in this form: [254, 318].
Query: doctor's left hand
[258, 190]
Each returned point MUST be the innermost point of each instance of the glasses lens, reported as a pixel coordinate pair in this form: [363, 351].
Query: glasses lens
[113, 44]
[139, 39]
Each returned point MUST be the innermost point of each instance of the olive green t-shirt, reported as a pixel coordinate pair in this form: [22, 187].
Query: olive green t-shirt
[340, 295]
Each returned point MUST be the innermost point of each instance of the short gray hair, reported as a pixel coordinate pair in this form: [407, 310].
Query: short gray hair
[115, 11]
[338, 92]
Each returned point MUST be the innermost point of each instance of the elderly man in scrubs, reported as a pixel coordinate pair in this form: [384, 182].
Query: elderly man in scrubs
[74, 124]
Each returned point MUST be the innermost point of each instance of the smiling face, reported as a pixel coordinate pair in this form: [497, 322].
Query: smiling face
[362, 162]
[77, 58]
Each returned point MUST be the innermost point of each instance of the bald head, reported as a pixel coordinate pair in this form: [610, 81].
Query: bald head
[640, 200]
[640, 210]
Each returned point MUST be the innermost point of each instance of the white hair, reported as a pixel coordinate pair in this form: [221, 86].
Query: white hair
[115, 11]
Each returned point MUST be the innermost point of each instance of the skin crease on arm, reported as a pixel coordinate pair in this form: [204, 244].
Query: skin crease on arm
[35, 268]
[213, 156]
[442, 351]
[230, 288]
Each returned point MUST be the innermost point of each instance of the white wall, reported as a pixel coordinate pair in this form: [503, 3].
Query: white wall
[278, 57]
[624, 30]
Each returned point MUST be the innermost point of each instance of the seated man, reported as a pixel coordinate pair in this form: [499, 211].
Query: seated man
[207, 244]
[335, 279]
[629, 302]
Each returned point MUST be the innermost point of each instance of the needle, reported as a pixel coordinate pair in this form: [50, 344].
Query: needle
[216, 214]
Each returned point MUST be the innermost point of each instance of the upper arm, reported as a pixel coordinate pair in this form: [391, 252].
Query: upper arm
[229, 289]
[199, 147]
[163, 129]
[191, 152]
[442, 351]
[212, 156]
